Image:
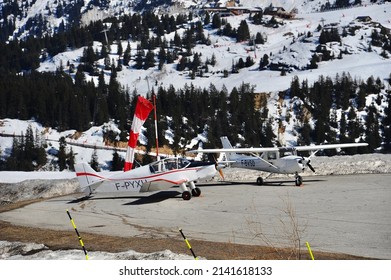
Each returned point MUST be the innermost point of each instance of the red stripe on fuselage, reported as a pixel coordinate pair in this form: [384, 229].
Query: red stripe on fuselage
[138, 178]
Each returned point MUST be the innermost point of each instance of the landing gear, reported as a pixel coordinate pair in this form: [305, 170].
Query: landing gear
[188, 192]
[196, 192]
[261, 181]
[298, 180]
[186, 195]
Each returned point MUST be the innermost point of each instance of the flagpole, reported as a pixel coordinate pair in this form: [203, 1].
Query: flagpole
[156, 135]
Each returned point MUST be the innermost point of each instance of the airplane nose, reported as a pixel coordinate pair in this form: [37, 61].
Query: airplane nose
[304, 162]
[301, 166]
[217, 167]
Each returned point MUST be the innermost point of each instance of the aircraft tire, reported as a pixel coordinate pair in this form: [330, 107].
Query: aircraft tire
[186, 195]
[196, 192]
[298, 181]
[260, 181]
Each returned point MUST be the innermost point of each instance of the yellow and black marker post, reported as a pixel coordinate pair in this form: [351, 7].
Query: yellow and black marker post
[188, 244]
[78, 235]
[310, 251]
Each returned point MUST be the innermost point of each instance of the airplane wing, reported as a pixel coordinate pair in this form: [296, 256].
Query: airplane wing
[275, 149]
[329, 146]
[236, 150]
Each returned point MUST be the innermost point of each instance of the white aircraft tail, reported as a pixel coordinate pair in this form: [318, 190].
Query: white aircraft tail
[87, 177]
[227, 145]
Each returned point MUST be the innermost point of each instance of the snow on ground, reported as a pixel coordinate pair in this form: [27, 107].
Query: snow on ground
[23, 251]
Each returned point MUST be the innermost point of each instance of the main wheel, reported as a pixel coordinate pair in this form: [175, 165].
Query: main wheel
[186, 195]
[196, 192]
[260, 181]
[298, 181]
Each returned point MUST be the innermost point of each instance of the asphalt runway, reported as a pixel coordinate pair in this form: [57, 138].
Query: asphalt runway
[346, 214]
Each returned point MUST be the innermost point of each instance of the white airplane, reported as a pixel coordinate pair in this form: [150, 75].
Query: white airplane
[159, 175]
[283, 160]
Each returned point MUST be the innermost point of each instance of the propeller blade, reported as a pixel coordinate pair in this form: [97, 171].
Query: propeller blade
[221, 173]
[219, 168]
[310, 166]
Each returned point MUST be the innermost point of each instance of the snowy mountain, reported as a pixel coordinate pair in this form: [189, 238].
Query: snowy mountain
[291, 42]
[41, 17]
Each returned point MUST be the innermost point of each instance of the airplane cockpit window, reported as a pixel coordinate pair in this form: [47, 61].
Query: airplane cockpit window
[154, 166]
[182, 162]
[168, 164]
[287, 152]
[271, 155]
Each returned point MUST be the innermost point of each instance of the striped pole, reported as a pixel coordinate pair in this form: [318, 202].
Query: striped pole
[78, 235]
[143, 108]
[310, 251]
[188, 244]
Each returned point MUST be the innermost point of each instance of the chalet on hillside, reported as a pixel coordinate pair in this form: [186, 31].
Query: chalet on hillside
[278, 11]
[274, 10]
[364, 18]
[232, 11]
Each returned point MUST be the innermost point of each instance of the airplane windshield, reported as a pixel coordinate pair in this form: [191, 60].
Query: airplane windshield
[168, 164]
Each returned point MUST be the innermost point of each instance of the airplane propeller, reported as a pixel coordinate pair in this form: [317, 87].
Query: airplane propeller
[310, 166]
[307, 162]
[219, 168]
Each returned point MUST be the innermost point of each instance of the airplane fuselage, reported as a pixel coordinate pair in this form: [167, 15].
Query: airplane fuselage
[152, 177]
[285, 165]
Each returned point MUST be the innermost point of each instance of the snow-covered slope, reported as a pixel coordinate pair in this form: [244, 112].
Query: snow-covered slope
[286, 44]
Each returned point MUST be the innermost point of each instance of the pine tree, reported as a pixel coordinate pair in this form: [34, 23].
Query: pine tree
[139, 58]
[120, 49]
[117, 163]
[62, 155]
[243, 32]
[305, 134]
[386, 123]
[127, 55]
[372, 132]
[216, 21]
[71, 160]
[12, 162]
[162, 58]
[259, 39]
[94, 163]
[149, 60]
[264, 62]
[342, 129]
[207, 18]
[314, 62]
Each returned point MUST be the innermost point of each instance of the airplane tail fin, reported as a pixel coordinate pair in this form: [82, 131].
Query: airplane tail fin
[87, 177]
[227, 145]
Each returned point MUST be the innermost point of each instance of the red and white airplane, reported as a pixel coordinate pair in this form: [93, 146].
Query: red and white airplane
[159, 175]
[282, 160]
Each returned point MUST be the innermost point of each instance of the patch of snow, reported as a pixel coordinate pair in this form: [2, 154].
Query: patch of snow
[32, 251]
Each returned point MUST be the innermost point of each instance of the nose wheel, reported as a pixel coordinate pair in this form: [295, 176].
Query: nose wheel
[298, 180]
